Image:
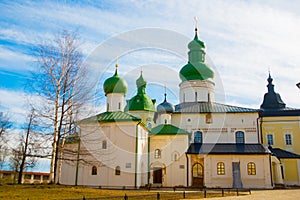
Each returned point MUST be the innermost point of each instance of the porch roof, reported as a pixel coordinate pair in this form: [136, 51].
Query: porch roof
[227, 148]
[280, 153]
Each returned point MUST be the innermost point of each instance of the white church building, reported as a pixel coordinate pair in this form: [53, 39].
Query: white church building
[197, 143]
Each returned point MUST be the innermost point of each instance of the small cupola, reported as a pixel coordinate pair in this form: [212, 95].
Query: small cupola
[165, 107]
[272, 100]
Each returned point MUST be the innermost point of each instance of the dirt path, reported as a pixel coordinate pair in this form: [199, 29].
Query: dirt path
[267, 195]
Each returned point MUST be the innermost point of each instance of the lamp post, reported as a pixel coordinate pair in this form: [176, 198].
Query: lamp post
[298, 85]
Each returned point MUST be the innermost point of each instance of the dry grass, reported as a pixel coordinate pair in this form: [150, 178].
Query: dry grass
[40, 192]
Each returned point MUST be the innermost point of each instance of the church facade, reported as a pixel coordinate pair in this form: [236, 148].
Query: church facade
[197, 143]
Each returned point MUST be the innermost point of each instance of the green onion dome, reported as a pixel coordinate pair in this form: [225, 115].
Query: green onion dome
[196, 69]
[141, 101]
[115, 84]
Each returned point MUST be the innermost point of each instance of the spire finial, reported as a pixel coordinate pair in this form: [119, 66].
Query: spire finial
[196, 23]
[141, 70]
[165, 93]
[117, 63]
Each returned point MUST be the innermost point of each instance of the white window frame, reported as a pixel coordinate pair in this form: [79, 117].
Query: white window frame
[267, 139]
[285, 139]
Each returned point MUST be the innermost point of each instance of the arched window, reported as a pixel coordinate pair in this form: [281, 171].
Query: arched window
[175, 156]
[198, 137]
[94, 170]
[118, 171]
[251, 168]
[239, 137]
[198, 170]
[104, 144]
[220, 168]
[157, 153]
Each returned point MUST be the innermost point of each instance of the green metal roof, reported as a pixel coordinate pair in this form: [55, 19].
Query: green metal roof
[118, 116]
[196, 69]
[141, 101]
[167, 129]
[115, 84]
[210, 107]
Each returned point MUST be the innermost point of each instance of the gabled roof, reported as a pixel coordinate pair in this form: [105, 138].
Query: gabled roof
[222, 148]
[117, 116]
[210, 107]
[280, 153]
[167, 129]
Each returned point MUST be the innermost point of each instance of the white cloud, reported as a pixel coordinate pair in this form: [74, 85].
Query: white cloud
[243, 38]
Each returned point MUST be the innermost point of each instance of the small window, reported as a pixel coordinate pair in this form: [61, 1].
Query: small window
[118, 171]
[157, 153]
[104, 144]
[288, 139]
[175, 156]
[196, 96]
[119, 106]
[37, 177]
[149, 125]
[270, 139]
[208, 118]
[94, 170]
[220, 168]
[45, 178]
[181, 166]
[251, 168]
[239, 137]
[128, 165]
[197, 170]
[27, 176]
[107, 106]
[198, 137]
[166, 121]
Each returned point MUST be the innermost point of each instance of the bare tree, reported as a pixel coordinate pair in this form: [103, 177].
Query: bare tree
[5, 124]
[29, 146]
[60, 81]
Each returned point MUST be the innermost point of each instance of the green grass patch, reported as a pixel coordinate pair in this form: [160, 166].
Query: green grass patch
[40, 192]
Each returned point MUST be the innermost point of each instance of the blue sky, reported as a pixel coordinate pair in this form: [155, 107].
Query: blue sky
[244, 39]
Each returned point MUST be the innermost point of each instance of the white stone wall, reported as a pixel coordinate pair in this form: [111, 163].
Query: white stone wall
[223, 126]
[196, 90]
[120, 151]
[173, 173]
[114, 102]
[262, 178]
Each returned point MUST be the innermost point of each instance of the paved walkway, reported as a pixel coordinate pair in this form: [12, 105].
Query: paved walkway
[288, 194]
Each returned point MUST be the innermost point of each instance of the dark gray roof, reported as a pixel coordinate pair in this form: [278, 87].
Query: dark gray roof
[279, 112]
[280, 153]
[210, 107]
[271, 98]
[222, 148]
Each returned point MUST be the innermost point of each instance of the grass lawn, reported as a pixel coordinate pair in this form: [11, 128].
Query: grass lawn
[39, 192]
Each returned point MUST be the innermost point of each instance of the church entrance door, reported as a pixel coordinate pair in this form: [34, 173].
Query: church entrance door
[157, 175]
[197, 172]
